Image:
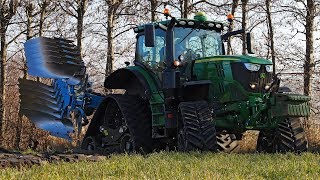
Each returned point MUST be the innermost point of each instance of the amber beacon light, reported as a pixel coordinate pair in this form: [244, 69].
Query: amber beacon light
[230, 17]
[166, 12]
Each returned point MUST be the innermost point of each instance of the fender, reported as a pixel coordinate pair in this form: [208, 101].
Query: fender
[138, 81]
[135, 80]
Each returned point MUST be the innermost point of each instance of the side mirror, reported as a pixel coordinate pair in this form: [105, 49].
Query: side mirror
[149, 33]
[250, 43]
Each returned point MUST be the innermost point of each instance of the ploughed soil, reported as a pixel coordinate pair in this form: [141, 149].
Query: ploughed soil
[15, 159]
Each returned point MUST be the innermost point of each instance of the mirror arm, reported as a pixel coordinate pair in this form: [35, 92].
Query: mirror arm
[232, 33]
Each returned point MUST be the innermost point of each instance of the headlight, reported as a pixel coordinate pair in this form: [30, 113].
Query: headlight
[269, 68]
[252, 67]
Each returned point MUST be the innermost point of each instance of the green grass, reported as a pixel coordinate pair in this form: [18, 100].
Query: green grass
[179, 166]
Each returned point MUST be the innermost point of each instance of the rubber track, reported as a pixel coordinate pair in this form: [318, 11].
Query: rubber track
[291, 136]
[199, 128]
[138, 117]
[226, 144]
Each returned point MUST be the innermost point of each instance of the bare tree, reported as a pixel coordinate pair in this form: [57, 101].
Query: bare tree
[309, 61]
[270, 33]
[234, 6]
[153, 8]
[43, 13]
[29, 12]
[77, 10]
[113, 6]
[244, 24]
[7, 11]
[186, 7]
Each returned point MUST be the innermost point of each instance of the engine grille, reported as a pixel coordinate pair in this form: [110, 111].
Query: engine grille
[260, 78]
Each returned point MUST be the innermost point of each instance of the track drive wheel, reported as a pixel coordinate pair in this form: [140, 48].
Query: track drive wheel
[289, 137]
[126, 143]
[226, 143]
[89, 144]
[196, 127]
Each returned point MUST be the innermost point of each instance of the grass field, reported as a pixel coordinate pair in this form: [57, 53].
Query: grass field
[172, 165]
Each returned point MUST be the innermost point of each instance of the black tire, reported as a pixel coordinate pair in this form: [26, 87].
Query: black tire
[89, 144]
[196, 127]
[289, 137]
[226, 143]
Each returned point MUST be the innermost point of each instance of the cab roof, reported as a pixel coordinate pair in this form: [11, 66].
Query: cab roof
[187, 23]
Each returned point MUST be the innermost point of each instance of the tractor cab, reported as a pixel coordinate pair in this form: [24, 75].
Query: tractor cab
[193, 39]
[197, 49]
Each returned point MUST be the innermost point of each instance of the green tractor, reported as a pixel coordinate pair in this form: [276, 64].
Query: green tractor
[184, 93]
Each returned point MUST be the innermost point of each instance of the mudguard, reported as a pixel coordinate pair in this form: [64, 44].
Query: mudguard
[138, 81]
[134, 79]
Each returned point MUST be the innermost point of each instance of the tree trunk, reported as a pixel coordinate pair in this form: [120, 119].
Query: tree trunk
[7, 11]
[270, 33]
[235, 4]
[110, 50]
[29, 10]
[309, 62]
[43, 11]
[185, 8]
[113, 6]
[81, 11]
[181, 7]
[153, 4]
[3, 57]
[244, 25]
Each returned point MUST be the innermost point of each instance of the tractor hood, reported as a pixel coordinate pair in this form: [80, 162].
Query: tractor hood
[235, 58]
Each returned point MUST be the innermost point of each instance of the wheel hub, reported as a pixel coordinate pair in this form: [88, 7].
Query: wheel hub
[126, 143]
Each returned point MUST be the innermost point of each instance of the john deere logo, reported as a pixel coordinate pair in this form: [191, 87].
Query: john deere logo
[262, 75]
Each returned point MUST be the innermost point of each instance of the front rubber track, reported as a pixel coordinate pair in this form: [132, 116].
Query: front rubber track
[291, 136]
[197, 129]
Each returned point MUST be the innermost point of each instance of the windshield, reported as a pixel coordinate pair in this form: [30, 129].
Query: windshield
[202, 43]
[191, 43]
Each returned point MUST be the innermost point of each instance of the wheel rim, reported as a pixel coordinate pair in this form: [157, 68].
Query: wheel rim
[126, 143]
[91, 147]
[91, 144]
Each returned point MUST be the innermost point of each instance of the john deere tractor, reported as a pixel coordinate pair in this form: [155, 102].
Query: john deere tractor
[181, 92]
